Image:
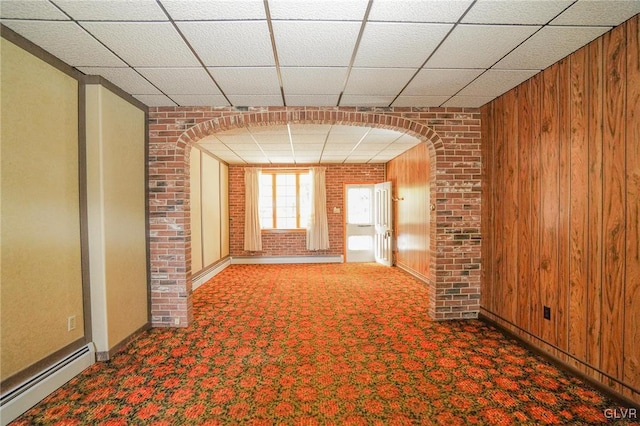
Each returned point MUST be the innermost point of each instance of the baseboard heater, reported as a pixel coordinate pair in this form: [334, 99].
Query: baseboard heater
[33, 390]
[205, 276]
[258, 260]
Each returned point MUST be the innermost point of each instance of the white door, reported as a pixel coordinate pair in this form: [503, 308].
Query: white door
[359, 229]
[383, 224]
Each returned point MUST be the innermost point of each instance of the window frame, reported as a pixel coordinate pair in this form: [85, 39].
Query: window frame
[274, 206]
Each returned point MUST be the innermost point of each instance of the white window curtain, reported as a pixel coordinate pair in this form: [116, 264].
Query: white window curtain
[252, 234]
[318, 227]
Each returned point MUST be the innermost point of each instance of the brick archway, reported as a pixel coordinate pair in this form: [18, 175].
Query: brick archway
[173, 130]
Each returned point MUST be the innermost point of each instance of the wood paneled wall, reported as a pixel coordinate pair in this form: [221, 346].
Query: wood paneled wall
[410, 176]
[561, 209]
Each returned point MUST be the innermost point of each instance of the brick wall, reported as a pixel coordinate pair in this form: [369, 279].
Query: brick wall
[294, 243]
[453, 136]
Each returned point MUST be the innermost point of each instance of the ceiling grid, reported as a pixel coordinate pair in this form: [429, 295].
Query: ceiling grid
[367, 53]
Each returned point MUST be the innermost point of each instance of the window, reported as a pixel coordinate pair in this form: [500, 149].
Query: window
[285, 199]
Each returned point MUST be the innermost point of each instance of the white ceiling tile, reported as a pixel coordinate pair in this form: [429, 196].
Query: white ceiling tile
[339, 149]
[283, 153]
[357, 159]
[378, 131]
[312, 81]
[256, 100]
[307, 158]
[274, 141]
[548, 46]
[468, 101]
[200, 100]
[370, 148]
[125, 78]
[220, 151]
[214, 147]
[279, 129]
[397, 45]
[242, 148]
[406, 139]
[598, 12]
[110, 10]
[514, 11]
[210, 139]
[34, 9]
[192, 10]
[366, 100]
[377, 81]
[232, 159]
[377, 140]
[419, 101]
[315, 43]
[247, 81]
[255, 159]
[309, 129]
[418, 10]
[308, 148]
[67, 41]
[496, 82]
[282, 159]
[230, 43]
[242, 136]
[184, 81]
[340, 142]
[340, 129]
[344, 146]
[382, 158]
[155, 100]
[342, 10]
[234, 131]
[275, 147]
[478, 46]
[332, 159]
[309, 141]
[139, 43]
[389, 153]
[431, 82]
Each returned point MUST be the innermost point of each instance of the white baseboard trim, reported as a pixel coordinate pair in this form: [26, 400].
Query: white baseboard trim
[215, 270]
[264, 260]
[33, 390]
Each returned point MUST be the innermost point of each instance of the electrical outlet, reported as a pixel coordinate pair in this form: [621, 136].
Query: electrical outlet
[71, 323]
[546, 312]
[176, 321]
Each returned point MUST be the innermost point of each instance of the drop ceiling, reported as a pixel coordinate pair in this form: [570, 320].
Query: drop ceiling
[368, 53]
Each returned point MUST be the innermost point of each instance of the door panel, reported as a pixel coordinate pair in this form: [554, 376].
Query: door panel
[383, 224]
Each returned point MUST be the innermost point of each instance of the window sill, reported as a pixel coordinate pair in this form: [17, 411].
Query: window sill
[282, 231]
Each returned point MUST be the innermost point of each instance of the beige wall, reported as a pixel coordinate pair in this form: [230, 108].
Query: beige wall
[196, 211]
[210, 210]
[116, 198]
[224, 210]
[209, 193]
[41, 278]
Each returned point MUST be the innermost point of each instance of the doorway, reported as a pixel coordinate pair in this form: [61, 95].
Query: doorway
[359, 226]
[368, 223]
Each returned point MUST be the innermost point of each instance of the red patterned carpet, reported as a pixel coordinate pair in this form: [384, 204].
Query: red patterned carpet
[345, 344]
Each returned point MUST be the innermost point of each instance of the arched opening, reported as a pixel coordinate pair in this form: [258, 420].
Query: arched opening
[172, 283]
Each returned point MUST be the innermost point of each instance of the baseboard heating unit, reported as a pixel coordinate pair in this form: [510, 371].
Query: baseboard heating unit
[33, 390]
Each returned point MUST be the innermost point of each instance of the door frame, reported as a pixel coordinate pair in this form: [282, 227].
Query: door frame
[344, 215]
